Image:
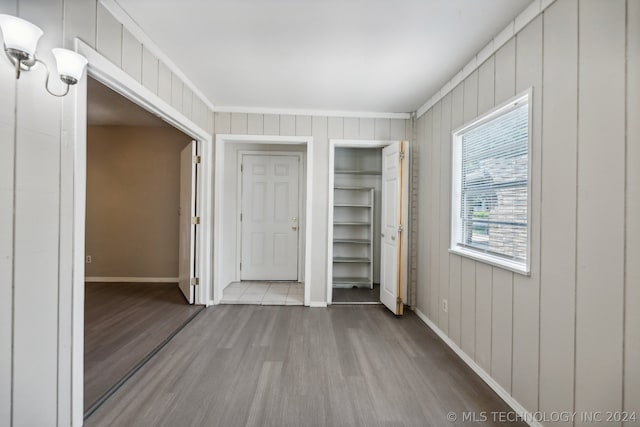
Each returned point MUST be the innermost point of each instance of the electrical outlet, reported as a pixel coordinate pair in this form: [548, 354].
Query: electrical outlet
[88, 259]
[445, 305]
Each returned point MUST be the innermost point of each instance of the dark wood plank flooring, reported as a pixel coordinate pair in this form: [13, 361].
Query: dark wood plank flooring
[356, 294]
[124, 322]
[237, 365]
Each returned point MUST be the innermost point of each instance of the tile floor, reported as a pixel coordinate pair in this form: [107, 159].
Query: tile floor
[264, 293]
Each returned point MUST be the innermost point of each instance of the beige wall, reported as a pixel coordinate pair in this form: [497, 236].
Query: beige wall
[568, 336]
[133, 177]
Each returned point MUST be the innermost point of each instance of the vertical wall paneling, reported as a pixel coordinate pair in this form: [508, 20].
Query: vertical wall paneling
[632, 291]
[424, 274]
[37, 190]
[486, 85]
[484, 298]
[558, 208]
[351, 128]
[397, 129]
[526, 290]
[176, 92]
[318, 127]
[382, 129]
[434, 213]
[367, 128]
[600, 195]
[150, 70]
[303, 126]
[287, 125]
[164, 82]
[255, 124]
[470, 97]
[468, 307]
[502, 327]
[80, 20]
[335, 127]
[7, 140]
[131, 55]
[444, 207]
[239, 123]
[505, 70]
[223, 123]
[271, 124]
[108, 36]
[187, 102]
[455, 262]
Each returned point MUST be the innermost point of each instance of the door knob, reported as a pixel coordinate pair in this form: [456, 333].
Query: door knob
[393, 237]
[294, 227]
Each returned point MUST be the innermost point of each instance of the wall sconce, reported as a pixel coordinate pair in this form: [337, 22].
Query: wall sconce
[20, 44]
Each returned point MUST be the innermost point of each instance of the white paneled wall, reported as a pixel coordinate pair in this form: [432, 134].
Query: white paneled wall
[322, 129]
[567, 337]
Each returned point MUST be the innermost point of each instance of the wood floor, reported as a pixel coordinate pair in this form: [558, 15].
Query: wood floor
[124, 322]
[249, 365]
[348, 295]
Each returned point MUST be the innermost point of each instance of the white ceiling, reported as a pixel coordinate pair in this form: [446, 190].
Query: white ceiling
[357, 55]
[108, 108]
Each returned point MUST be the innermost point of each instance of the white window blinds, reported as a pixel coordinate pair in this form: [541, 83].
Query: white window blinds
[492, 196]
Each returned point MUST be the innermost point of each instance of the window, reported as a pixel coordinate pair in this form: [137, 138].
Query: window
[490, 203]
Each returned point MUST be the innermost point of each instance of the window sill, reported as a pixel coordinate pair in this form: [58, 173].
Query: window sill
[492, 260]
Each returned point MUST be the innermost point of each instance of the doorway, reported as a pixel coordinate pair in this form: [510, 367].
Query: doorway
[263, 194]
[141, 187]
[366, 261]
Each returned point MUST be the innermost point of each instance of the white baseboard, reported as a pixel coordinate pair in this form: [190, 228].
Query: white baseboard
[93, 279]
[318, 304]
[504, 394]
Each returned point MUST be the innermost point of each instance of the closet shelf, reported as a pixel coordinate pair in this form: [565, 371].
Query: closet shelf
[354, 241]
[357, 172]
[351, 281]
[351, 223]
[353, 188]
[350, 205]
[351, 259]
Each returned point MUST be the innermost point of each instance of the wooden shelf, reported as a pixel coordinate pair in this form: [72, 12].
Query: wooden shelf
[353, 188]
[350, 205]
[351, 281]
[351, 259]
[353, 241]
[351, 223]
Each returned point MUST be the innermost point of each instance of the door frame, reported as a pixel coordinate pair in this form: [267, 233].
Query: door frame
[355, 143]
[219, 213]
[75, 129]
[301, 225]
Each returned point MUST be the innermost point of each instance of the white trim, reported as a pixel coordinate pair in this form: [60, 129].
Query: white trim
[308, 112]
[317, 304]
[218, 247]
[301, 172]
[527, 416]
[115, 78]
[530, 13]
[99, 279]
[358, 143]
[132, 26]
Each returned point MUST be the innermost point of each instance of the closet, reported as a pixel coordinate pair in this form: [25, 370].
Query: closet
[356, 217]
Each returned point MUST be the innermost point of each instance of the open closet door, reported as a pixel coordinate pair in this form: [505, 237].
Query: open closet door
[392, 227]
[188, 221]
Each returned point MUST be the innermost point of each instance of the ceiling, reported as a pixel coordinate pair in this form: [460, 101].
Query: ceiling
[108, 108]
[356, 55]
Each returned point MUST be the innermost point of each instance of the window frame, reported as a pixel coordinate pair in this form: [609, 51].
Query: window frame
[455, 234]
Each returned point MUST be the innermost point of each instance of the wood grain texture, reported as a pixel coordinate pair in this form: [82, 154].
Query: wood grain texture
[124, 322]
[275, 366]
[558, 212]
[601, 183]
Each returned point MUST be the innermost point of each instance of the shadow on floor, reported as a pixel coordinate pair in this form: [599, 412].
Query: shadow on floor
[355, 295]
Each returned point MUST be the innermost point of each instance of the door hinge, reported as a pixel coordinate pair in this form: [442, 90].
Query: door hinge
[240, 266]
[398, 300]
[400, 228]
[196, 160]
[195, 220]
[241, 167]
[195, 281]
[402, 155]
[240, 217]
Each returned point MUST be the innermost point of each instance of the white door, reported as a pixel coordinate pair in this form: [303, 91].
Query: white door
[270, 204]
[391, 223]
[187, 211]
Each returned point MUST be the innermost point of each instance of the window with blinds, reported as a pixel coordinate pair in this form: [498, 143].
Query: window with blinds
[491, 187]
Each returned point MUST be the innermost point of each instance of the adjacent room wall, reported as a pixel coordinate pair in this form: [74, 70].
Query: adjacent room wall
[133, 196]
[566, 337]
[322, 129]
